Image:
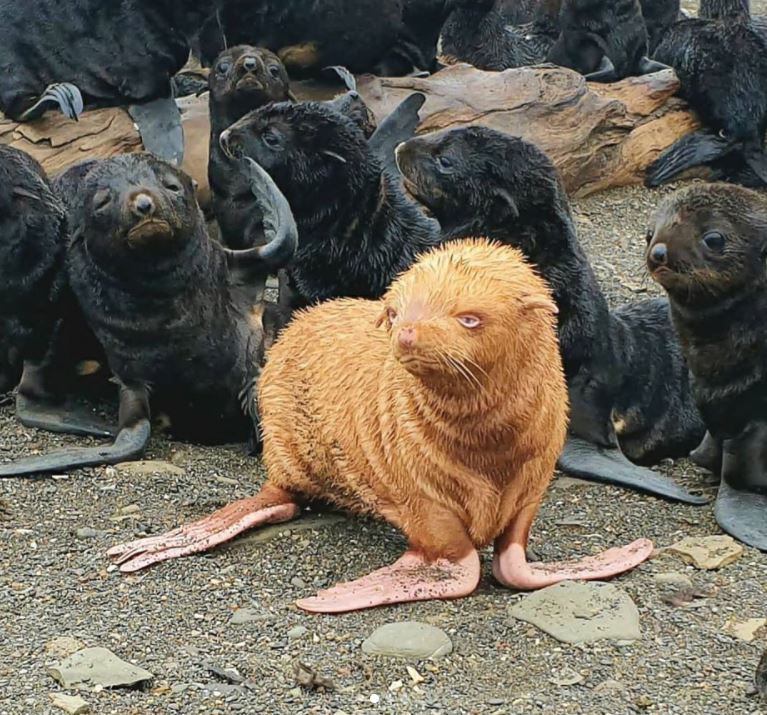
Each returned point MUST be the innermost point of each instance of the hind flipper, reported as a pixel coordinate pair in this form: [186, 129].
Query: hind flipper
[609, 466]
[63, 95]
[349, 80]
[62, 419]
[693, 150]
[648, 66]
[159, 124]
[743, 515]
[397, 128]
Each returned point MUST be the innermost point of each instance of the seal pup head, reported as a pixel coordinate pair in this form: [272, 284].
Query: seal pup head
[245, 77]
[462, 310]
[471, 173]
[318, 157]
[708, 242]
[134, 207]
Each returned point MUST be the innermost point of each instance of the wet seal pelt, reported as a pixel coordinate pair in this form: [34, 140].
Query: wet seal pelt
[629, 387]
[446, 421]
[33, 231]
[478, 32]
[708, 249]
[242, 79]
[181, 319]
[721, 62]
[659, 16]
[358, 229]
[605, 40]
[68, 54]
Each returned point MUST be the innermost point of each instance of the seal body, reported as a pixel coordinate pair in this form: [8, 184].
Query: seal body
[120, 52]
[434, 415]
[358, 229]
[33, 231]
[658, 16]
[242, 79]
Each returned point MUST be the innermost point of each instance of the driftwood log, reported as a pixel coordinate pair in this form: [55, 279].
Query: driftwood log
[598, 135]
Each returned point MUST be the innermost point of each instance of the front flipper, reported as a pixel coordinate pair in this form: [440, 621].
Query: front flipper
[130, 442]
[63, 95]
[397, 128]
[604, 73]
[159, 124]
[410, 578]
[743, 515]
[587, 461]
[648, 66]
[696, 149]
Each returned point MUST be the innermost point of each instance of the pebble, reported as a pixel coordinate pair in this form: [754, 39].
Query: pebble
[63, 646]
[297, 632]
[87, 533]
[247, 615]
[146, 467]
[297, 582]
[708, 552]
[408, 639]
[673, 578]
[746, 630]
[72, 704]
[574, 612]
[98, 666]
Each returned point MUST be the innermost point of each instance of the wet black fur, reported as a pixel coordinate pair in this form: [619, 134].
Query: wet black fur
[593, 28]
[625, 364]
[164, 312]
[116, 52]
[357, 229]
[33, 232]
[478, 32]
[231, 197]
[659, 15]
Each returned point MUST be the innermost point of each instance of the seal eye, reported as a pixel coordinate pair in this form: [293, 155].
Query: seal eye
[444, 163]
[173, 185]
[101, 200]
[223, 67]
[714, 241]
[274, 70]
[649, 235]
[271, 138]
[469, 321]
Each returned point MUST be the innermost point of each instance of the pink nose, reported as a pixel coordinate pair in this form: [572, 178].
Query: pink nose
[407, 337]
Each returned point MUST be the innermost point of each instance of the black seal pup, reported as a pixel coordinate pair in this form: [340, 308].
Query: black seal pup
[178, 316]
[75, 53]
[478, 32]
[605, 40]
[707, 249]
[721, 62]
[358, 229]
[242, 79]
[628, 385]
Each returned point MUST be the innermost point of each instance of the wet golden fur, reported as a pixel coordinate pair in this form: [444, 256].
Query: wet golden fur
[448, 449]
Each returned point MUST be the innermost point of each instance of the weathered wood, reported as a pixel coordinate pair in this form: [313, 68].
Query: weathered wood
[598, 135]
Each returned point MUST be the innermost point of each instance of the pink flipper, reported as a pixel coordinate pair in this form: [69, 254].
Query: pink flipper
[223, 525]
[511, 568]
[410, 578]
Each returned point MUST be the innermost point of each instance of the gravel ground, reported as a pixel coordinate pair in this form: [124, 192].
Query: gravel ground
[175, 617]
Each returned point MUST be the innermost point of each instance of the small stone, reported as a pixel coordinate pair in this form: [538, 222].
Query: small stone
[98, 666]
[746, 630]
[375, 698]
[297, 632]
[72, 704]
[672, 578]
[708, 552]
[396, 685]
[574, 612]
[415, 676]
[297, 582]
[146, 467]
[609, 685]
[408, 639]
[87, 533]
[227, 480]
[179, 688]
[63, 647]
[247, 615]
[644, 702]
[566, 677]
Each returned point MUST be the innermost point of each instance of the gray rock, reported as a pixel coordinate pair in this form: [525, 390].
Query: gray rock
[297, 632]
[409, 639]
[575, 612]
[72, 704]
[247, 615]
[673, 578]
[98, 666]
[297, 582]
[87, 533]
[146, 467]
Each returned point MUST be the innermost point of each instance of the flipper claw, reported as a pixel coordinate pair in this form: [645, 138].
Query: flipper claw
[67, 97]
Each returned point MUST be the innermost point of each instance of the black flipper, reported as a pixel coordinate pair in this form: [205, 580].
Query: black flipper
[609, 466]
[708, 454]
[159, 123]
[349, 80]
[696, 149]
[743, 515]
[63, 95]
[756, 159]
[128, 444]
[648, 66]
[604, 73]
[62, 418]
[397, 128]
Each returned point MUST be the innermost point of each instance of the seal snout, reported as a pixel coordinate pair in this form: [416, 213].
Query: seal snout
[658, 254]
[142, 204]
[250, 63]
[407, 337]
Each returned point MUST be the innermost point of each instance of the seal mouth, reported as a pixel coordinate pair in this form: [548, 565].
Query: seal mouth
[416, 364]
[148, 231]
[250, 83]
[411, 189]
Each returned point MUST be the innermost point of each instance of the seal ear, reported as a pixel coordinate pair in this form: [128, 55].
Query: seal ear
[384, 318]
[504, 206]
[333, 155]
[537, 302]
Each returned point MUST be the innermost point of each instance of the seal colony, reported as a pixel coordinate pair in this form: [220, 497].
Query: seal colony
[435, 424]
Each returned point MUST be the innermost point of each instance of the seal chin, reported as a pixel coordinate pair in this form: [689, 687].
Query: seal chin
[150, 232]
[250, 83]
[413, 191]
[415, 364]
